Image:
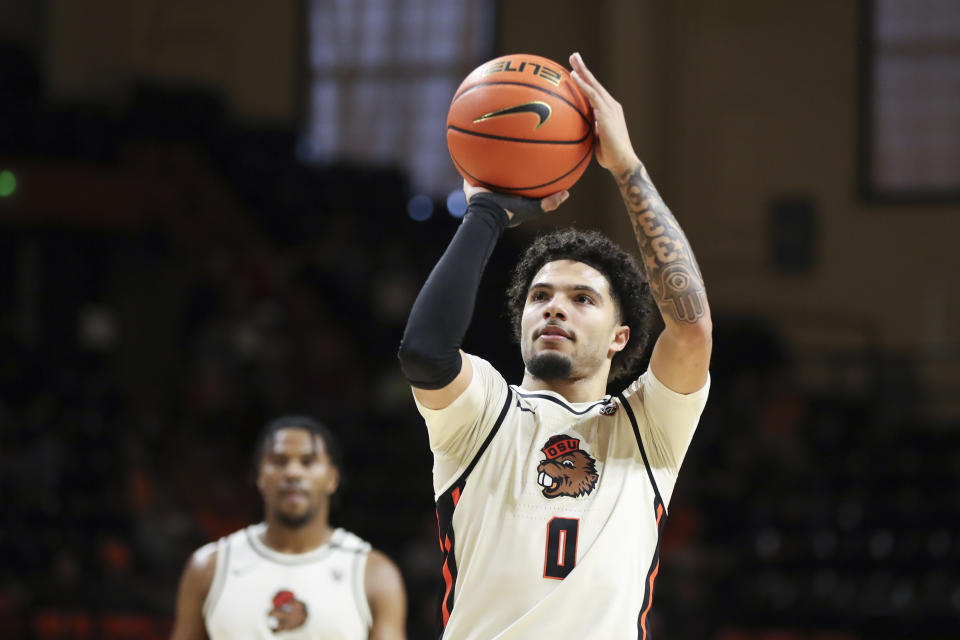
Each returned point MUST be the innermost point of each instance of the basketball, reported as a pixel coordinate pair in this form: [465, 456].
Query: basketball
[519, 124]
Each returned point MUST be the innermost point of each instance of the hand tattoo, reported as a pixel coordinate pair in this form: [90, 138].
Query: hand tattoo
[668, 261]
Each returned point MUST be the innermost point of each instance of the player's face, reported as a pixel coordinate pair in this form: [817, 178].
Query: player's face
[296, 477]
[570, 325]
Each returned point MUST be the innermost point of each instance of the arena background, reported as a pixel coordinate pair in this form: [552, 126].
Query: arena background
[184, 255]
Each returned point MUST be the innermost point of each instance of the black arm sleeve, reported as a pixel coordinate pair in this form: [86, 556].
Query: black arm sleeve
[430, 349]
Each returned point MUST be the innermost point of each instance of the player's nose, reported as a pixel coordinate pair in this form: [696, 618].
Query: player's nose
[554, 309]
[293, 469]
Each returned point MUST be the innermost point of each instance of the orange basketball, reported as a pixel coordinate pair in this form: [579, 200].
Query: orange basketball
[519, 124]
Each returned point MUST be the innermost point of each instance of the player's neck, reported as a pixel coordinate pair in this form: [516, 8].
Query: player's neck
[572, 389]
[297, 540]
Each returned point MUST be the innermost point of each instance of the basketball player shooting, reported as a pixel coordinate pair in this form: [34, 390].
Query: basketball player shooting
[293, 575]
[552, 496]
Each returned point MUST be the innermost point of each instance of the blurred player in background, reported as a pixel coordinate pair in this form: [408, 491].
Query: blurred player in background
[294, 572]
[552, 496]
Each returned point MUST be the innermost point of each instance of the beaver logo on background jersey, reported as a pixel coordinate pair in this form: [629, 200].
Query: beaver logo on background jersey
[568, 469]
[287, 613]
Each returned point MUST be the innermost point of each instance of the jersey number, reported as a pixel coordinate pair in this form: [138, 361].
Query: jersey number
[561, 555]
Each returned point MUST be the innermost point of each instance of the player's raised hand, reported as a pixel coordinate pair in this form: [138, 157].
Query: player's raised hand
[614, 150]
[518, 209]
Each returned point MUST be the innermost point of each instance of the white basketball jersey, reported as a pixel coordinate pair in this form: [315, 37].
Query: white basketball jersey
[551, 513]
[261, 593]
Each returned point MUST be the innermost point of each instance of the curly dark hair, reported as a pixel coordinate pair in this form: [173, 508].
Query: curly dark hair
[628, 285]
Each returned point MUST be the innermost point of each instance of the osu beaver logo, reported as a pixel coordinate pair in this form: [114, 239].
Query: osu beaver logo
[568, 469]
[287, 613]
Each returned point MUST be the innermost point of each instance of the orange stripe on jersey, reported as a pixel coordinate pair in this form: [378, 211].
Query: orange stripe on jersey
[448, 583]
[643, 618]
[445, 507]
[653, 577]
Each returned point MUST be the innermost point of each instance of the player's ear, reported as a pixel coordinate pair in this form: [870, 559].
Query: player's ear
[333, 480]
[621, 336]
[258, 478]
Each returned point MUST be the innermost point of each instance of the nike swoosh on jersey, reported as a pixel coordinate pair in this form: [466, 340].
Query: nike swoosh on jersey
[541, 109]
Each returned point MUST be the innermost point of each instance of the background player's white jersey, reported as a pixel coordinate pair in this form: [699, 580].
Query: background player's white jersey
[550, 512]
[258, 592]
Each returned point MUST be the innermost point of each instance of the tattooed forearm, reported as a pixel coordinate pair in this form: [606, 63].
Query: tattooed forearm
[667, 259]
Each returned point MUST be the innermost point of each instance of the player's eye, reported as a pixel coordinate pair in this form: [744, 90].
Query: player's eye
[584, 299]
[538, 296]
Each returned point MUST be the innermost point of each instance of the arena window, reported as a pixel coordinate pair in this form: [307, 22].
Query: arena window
[382, 74]
[910, 132]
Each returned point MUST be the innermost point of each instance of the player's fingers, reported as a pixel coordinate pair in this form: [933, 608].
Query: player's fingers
[594, 98]
[554, 200]
[601, 104]
[576, 61]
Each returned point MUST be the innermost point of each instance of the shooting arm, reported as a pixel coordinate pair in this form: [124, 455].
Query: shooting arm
[430, 353]
[681, 355]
